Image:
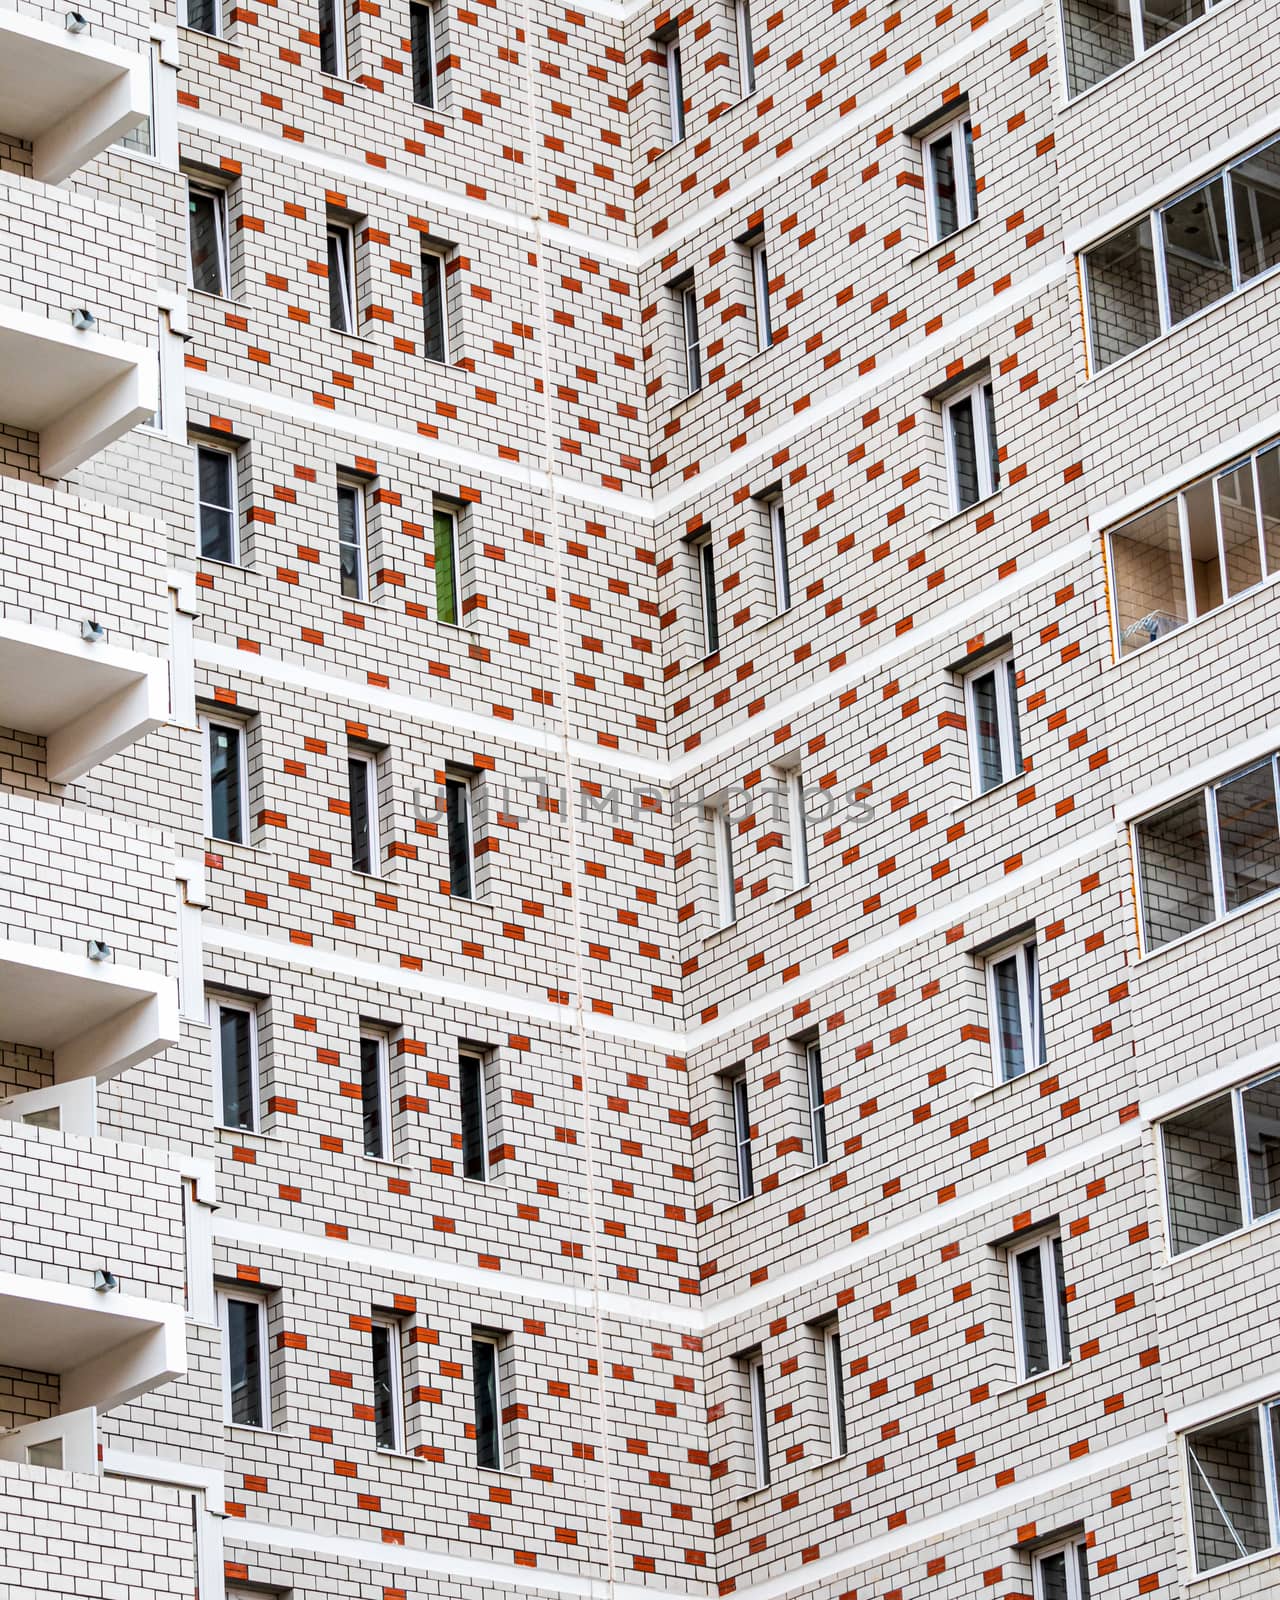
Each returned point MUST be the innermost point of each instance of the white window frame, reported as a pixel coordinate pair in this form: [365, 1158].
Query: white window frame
[357, 490]
[815, 1087]
[780, 553]
[965, 176]
[482, 1078]
[984, 446]
[341, 66]
[218, 18]
[722, 852]
[466, 782]
[264, 1366]
[426, 8]
[1250, 1217]
[217, 1003]
[1262, 1417]
[797, 830]
[743, 1156]
[837, 1411]
[1058, 1352]
[1030, 1004]
[395, 1334]
[446, 357]
[344, 235]
[372, 1036]
[704, 554]
[498, 1386]
[441, 508]
[221, 232]
[746, 47]
[690, 338]
[758, 1400]
[673, 73]
[760, 289]
[207, 721]
[230, 455]
[368, 759]
[1075, 1549]
[1006, 718]
[1209, 800]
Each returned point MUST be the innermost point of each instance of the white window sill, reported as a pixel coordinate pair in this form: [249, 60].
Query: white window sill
[1032, 1075]
[246, 1427]
[1030, 1383]
[1233, 1566]
[976, 800]
[220, 847]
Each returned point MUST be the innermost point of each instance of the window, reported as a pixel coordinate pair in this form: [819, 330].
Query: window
[668, 47]
[969, 429]
[445, 531]
[1209, 854]
[333, 38]
[687, 303]
[1040, 1332]
[798, 829]
[375, 1095]
[817, 1103]
[1013, 997]
[422, 40]
[722, 850]
[746, 46]
[833, 1363]
[246, 1400]
[740, 1108]
[1232, 1472]
[1215, 540]
[778, 550]
[204, 16]
[1101, 36]
[758, 1400]
[708, 607]
[460, 827]
[342, 277]
[208, 253]
[216, 514]
[388, 1384]
[950, 188]
[362, 791]
[353, 541]
[141, 139]
[435, 308]
[233, 1026]
[1184, 256]
[991, 703]
[760, 289]
[226, 800]
[1061, 1571]
[486, 1366]
[1221, 1163]
[473, 1091]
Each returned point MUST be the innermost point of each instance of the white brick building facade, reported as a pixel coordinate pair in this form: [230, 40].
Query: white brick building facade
[639, 838]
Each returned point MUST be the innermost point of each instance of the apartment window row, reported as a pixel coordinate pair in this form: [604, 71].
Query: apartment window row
[210, 268]
[217, 517]
[334, 29]
[1211, 542]
[1185, 255]
[235, 1025]
[1209, 854]
[247, 1377]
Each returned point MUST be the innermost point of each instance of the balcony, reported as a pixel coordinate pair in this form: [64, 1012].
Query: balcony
[78, 388]
[68, 95]
[83, 627]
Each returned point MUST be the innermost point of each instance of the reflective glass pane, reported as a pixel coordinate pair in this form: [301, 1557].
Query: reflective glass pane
[964, 453]
[1202, 541]
[1228, 1491]
[484, 1358]
[1099, 40]
[1010, 1047]
[235, 1057]
[1120, 277]
[1146, 569]
[1269, 496]
[225, 819]
[1197, 250]
[1029, 1267]
[371, 1097]
[434, 337]
[444, 531]
[942, 179]
[986, 731]
[1161, 19]
[1053, 1576]
[422, 44]
[244, 1358]
[1248, 835]
[204, 228]
[1202, 1182]
[1255, 194]
[1174, 873]
[1261, 1105]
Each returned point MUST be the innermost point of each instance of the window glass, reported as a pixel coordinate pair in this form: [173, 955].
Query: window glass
[423, 47]
[986, 710]
[445, 531]
[484, 1356]
[817, 1105]
[742, 1138]
[1161, 19]
[942, 177]
[383, 1340]
[235, 1063]
[964, 452]
[332, 44]
[1197, 250]
[225, 783]
[372, 1097]
[1202, 1182]
[215, 479]
[1099, 40]
[1146, 564]
[1248, 835]
[351, 540]
[1124, 308]
[435, 335]
[1260, 1104]
[341, 273]
[1174, 872]
[244, 1362]
[458, 804]
[206, 223]
[203, 16]
[1269, 506]
[1228, 1491]
[475, 1140]
[1255, 194]
[1032, 1309]
[1238, 520]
